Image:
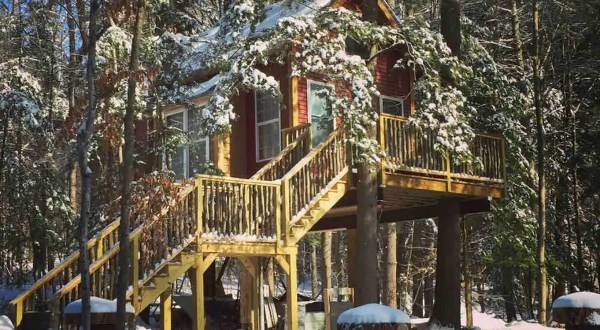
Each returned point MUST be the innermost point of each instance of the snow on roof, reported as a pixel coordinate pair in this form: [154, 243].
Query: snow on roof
[373, 314]
[578, 300]
[5, 323]
[98, 305]
[273, 14]
[205, 87]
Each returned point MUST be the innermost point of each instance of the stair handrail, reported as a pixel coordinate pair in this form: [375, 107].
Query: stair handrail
[94, 244]
[314, 173]
[288, 135]
[134, 238]
[292, 152]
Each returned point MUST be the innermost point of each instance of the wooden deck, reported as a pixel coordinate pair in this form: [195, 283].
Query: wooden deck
[301, 189]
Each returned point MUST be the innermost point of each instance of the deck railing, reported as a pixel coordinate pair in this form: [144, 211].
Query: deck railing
[239, 209]
[166, 234]
[409, 149]
[37, 297]
[304, 183]
[296, 148]
[289, 135]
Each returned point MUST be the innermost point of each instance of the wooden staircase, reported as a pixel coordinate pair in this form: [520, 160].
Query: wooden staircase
[264, 215]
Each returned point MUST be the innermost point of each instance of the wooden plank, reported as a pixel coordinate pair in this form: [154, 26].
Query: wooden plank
[246, 296]
[292, 293]
[198, 293]
[165, 309]
[210, 258]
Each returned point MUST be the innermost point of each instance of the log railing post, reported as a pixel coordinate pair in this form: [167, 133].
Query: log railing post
[448, 170]
[199, 208]
[286, 207]
[278, 217]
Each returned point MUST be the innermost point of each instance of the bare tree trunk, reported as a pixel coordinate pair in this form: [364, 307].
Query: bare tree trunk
[541, 232]
[481, 293]
[123, 279]
[517, 33]
[366, 222]
[314, 276]
[446, 308]
[389, 292]
[466, 274]
[84, 137]
[326, 269]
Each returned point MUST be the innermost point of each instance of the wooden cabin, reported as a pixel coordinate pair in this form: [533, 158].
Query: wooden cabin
[288, 172]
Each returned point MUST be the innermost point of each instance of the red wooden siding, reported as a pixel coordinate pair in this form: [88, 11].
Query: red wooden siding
[393, 82]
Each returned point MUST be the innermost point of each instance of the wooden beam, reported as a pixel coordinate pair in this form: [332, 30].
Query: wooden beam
[292, 293]
[165, 309]
[198, 288]
[247, 317]
[283, 263]
[405, 214]
[249, 264]
[206, 262]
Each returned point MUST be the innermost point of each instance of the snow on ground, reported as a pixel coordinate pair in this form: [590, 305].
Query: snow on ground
[97, 305]
[578, 300]
[373, 313]
[5, 323]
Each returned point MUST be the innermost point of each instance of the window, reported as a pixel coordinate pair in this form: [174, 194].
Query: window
[392, 106]
[189, 156]
[268, 136]
[319, 111]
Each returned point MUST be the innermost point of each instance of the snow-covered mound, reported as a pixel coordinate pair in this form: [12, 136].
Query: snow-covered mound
[578, 300]
[97, 305]
[5, 323]
[373, 314]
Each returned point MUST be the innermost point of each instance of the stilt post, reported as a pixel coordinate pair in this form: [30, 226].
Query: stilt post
[165, 309]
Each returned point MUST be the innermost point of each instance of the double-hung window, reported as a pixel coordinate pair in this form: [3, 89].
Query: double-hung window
[392, 106]
[268, 126]
[192, 150]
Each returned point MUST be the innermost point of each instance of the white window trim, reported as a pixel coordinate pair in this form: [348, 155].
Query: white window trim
[391, 98]
[262, 123]
[186, 148]
[316, 82]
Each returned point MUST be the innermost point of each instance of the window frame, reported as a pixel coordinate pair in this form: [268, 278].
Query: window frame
[263, 123]
[186, 147]
[308, 107]
[392, 98]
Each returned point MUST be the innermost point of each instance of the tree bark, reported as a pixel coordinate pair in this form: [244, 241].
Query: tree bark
[450, 24]
[326, 267]
[515, 21]
[446, 308]
[366, 223]
[466, 274]
[389, 292]
[541, 231]
[507, 293]
[123, 277]
[84, 137]
[314, 276]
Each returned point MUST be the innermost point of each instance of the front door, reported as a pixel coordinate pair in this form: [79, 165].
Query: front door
[319, 111]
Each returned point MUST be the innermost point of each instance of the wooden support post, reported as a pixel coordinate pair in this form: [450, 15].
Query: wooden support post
[18, 314]
[351, 242]
[165, 309]
[248, 313]
[198, 288]
[292, 292]
[256, 294]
